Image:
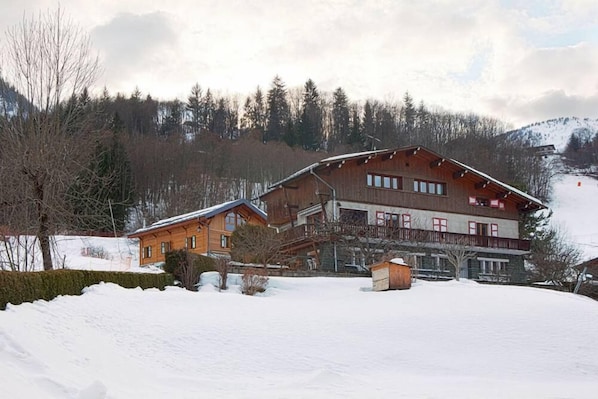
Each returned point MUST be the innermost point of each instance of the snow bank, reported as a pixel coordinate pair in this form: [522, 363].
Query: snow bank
[305, 337]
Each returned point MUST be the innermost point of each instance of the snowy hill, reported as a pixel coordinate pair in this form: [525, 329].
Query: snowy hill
[574, 193]
[303, 338]
[574, 211]
[553, 131]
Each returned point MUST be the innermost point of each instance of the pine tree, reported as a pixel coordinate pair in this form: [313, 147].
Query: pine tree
[194, 107]
[103, 192]
[355, 131]
[310, 130]
[341, 131]
[277, 111]
[408, 114]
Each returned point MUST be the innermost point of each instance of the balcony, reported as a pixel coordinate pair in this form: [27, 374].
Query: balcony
[307, 234]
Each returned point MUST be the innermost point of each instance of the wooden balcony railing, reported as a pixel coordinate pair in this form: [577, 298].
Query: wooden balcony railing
[334, 231]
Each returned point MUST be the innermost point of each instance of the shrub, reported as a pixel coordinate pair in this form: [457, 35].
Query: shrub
[19, 287]
[187, 267]
[222, 266]
[253, 281]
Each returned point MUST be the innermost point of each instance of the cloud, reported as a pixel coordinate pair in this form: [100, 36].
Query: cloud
[134, 43]
[548, 105]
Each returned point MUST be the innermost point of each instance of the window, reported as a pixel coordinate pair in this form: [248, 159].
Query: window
[391, 219]
[479, 201]
[441, 262]
[483, 229]
[406, 220]
[429, 187]
[493, 266]
[191, 242]
[440, 224]
[147, 251]
[224, 241]
[164, 247]
[232, 220]
[384, 181]
[353, 216]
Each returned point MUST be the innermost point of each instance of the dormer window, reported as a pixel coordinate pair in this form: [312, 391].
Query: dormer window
[232, 220]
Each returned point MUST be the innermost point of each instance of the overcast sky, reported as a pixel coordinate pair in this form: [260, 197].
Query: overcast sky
[521, 61]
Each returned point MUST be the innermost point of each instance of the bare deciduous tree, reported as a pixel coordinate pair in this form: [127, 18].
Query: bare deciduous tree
[48, 59]
[553, 257]
[457, 254]
[254, 243]
[222, 267]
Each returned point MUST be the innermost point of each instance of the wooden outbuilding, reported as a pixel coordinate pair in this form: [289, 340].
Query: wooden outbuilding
[392, 274]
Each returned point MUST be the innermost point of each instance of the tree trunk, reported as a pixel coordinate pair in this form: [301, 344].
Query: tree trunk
[43, 229]
[44, 243]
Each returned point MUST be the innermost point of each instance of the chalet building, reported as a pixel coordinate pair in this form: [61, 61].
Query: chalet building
[206, 231]
[410, 200]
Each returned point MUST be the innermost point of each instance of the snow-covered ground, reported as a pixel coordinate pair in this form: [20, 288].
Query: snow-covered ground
[304, 338]
[575, 212]
[85, 253]
[554, 131]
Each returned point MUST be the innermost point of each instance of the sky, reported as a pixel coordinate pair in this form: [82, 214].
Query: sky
[302, 338]
[521, 61]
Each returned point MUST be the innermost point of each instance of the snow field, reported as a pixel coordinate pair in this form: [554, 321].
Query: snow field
[304, 337]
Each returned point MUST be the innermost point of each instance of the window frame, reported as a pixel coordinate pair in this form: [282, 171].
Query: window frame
[147, 252]
[431, 187]
[232, 220]
[440, 225]
[384, 181]
[224, 241]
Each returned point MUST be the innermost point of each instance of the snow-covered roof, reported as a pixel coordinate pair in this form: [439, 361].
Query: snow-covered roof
[324, 161]
[357, 155]
[498, 182]
[202, 213]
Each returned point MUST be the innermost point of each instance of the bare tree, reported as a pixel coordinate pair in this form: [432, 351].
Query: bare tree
[457, 255]
[48, 59]
[222, 267]
[255, 243]
[553, 257]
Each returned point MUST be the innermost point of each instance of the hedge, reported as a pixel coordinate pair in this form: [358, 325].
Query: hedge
[175, 258]
[19, 287]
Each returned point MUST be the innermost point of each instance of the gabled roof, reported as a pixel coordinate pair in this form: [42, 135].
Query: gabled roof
[367, 155]
[200, 214]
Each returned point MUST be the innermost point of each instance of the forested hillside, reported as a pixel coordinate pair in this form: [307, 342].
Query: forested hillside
[157, 158]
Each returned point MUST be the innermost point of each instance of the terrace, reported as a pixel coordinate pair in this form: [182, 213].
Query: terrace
[306, 234]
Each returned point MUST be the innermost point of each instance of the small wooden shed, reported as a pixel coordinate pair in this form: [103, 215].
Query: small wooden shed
[392, 274]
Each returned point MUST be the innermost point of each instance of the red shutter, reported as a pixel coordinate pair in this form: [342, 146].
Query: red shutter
[406, 221]
[472, 228]
[380, 218]
[472, 200]
[494, 230]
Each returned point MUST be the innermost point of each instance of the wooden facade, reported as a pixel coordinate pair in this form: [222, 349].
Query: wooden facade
[206, 231]
[413, 193]
[392, 274]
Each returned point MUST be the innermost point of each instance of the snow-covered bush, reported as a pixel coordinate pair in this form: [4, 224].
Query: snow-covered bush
[254, 280]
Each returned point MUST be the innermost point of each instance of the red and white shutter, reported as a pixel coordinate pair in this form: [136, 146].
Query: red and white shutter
[473, 228]
[494, 230]
[406, 220]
